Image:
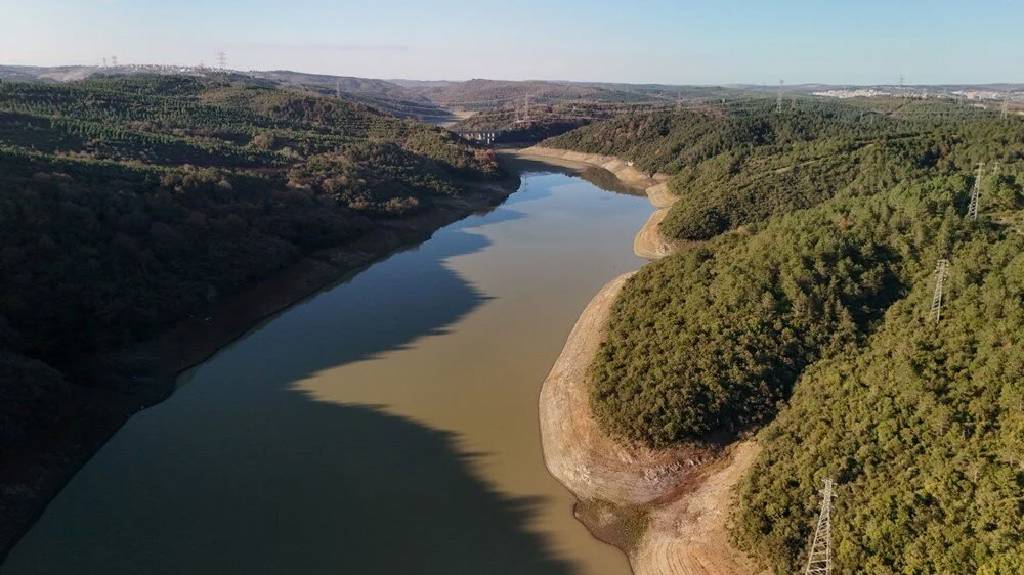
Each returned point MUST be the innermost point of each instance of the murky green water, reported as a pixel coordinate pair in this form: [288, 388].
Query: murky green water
[387, 425]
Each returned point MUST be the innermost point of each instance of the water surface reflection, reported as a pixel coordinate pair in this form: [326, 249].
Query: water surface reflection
[387, 425]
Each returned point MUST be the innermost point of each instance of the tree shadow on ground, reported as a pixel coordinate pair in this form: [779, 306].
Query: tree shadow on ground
[240, 472]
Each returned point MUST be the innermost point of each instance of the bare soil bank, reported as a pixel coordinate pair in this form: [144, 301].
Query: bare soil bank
[666, 509]
[649, 243]
[145, 375]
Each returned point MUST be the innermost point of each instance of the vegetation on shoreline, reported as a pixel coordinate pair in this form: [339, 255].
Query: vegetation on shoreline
[806, 312]
[132, 202]
[743, 164]
[922, 427]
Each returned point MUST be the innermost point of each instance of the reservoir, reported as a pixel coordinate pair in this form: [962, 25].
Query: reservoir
[386, 425]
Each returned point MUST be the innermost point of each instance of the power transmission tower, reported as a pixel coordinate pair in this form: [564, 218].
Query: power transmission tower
[1004, 109]
[113, 61]
[972, 210]
[941, 270]
[337, 88]
[819, 562]
[778, 99]
[526, 108]
[222, 60]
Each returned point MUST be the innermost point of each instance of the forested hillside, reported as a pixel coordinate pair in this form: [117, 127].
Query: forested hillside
[922, 426]
[130, 202]
[743, 163]
[804, 315]
[385, 96]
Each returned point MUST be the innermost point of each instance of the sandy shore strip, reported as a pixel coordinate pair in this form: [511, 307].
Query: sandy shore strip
[660, 196]
[684, 493]
[689, 535]
[623, 170]
[666, 509]
[580, 455]
[649, 243]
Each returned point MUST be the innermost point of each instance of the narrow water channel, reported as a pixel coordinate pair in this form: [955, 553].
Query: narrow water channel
[386, 425]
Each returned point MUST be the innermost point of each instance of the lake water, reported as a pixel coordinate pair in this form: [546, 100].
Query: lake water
[386, 425]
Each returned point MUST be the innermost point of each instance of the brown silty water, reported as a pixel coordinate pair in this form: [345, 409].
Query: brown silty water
[386, 425]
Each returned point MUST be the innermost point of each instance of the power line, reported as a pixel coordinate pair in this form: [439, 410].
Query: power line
[941, 271]
[972, 210]
[819, 561]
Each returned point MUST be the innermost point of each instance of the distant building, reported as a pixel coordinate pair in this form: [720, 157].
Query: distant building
[853, 93]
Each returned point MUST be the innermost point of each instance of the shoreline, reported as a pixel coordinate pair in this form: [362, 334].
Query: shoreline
[37, 473]
[648, 242]
[665, 509]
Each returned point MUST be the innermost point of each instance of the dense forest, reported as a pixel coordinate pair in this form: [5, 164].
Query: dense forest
[130, 202]
[740, 163]
[802, 314]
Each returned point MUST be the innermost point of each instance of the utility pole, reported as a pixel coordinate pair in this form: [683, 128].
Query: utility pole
[941, 270]
[778, 99]
[337, 88]
[819, 562]
[526, 108]
[222, 60]
[972, 210]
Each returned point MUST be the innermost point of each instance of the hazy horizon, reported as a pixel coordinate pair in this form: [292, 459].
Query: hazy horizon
[213, 68]
[656, 42]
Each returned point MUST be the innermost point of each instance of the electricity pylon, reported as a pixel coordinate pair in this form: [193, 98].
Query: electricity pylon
[778, 99]
[819, 562]
[972, 210]
[222, 60]
[941, 270]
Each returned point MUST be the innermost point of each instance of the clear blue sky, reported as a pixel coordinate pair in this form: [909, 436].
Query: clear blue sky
[681, 42]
